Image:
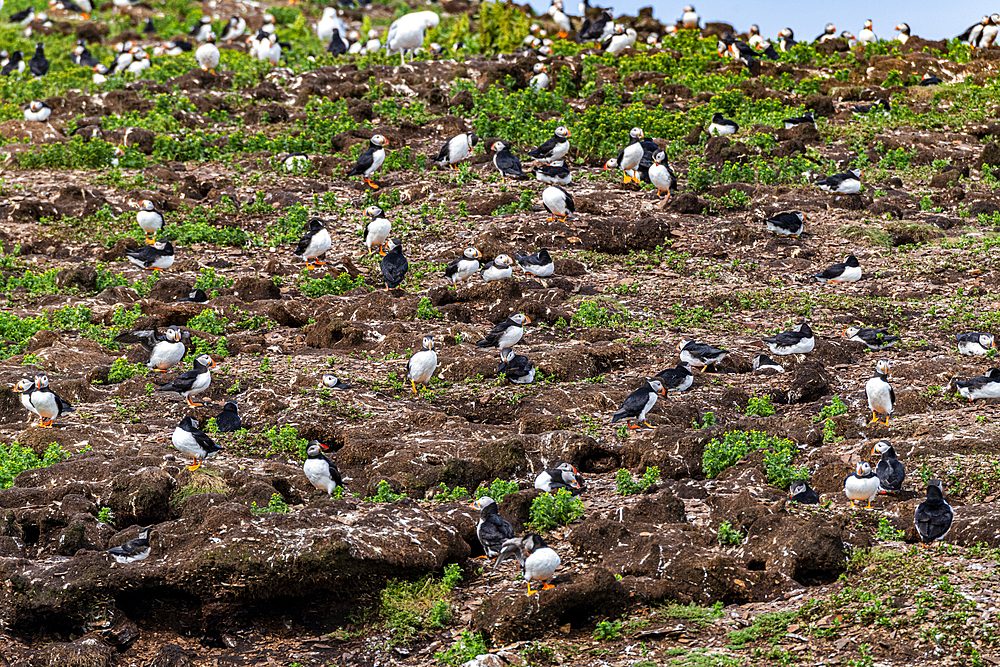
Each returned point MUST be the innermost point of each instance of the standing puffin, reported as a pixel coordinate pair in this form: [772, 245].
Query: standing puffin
[690, 18]
[800, 492]
[37, 112]
[421, 366]
[150, 220]
[786, 40]
[377, 229]
[39, 64]
[904, 33]
[506, 334]
[47, 404]
[506, 162]
[191, 441]
[134, 550]
[202, 29]
[370, 161]
[890, 472]
[661, 175]
[861, 485]
[800, 340]
[500, 268]
[207, 55]
[786, 224]
[849, 271]
[721, 126]
[555, 148]
[319, 470]
[933, 517]
[165, 351]
[699, 354]
[539, 561]
[228, 421]
[975, 344]
[491, 529]
[563, 476]
[795, 121]
[193, 382]
[830, 32]
[156, 257]
[558, 202]
[394, 264]
[539, 264]
[313, 244]
[867, 35]
[677, 379]
[540, 79]
[629, 158]
[464, 267]
[847, 183]
[638, 404]
[516, 367]
[456, 149]
[881, 396]
[875, 339]
[234, 29]
[987, 386]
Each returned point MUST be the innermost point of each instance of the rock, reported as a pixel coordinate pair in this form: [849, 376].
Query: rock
[516, 508]
[664, 507]
[973, 524]
[134, 137]
[83, 276]
[810, 381]
[80, 202]
[30, 131]
[172, 655]
[87, 652]
[945, 179]
[170, 289]
[249, 289]
[141, 496]
[989, 157]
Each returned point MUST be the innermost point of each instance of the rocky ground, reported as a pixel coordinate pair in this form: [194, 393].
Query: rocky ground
[251, 565]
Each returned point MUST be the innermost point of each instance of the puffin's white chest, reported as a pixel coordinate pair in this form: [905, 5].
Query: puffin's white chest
[879, 399]
[861, 488]
[422, 366]
[541, 565]
[631, 156]
[318, 473]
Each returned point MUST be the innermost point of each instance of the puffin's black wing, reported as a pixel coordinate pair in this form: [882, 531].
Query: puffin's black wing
[508, 164]
[495, 333]
[494, 531]
[545, 150]
[452, 267]
[787, 338]
[182, 382]
[205, 442]
[364, 163]
[394, 267]
[891, 474]
[64, 405]
[633, 405]
[148, 338]
[831, 272]
[304, 243]
[444, 153]
[933, 519]
[146, 255]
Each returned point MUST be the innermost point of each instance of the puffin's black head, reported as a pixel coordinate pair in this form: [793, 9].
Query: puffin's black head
[718, 118]
[533, 542]
[543, 255]
[935, 490]
[230, 407]
[39, 49]
[315, 225]
[796, 488]
[852, 261]
[473, 139]
[189, 423]
[884, 448]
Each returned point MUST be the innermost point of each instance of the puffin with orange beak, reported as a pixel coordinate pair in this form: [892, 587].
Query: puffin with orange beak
[638, 404]
[191, 441]
[193, 382]
[318, 469]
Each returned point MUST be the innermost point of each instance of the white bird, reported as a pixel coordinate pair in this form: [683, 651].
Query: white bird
[207, 55]
[862, 485]
[539, 561]
[328, 23]
[975, 344]
[500, 268]
[558, 202]
[234, 29]
[540, 80]
[421, 366]
[318, 469]
[565, 26]
[38, 112]
[456, 149]
[377, 229]
[690, 18]
[407, 33]
[867, 35]
[881, 396]
[661, 175]
[373, 44]
[270, 49]
[621, 42]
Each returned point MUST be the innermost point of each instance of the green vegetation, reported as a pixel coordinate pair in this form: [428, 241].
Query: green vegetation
[592, 314]
[105, 515]
[466, 647]
[765, 627]
[329, 284]
[411, 609]
[551, 510]
[497, 490]
[16, 458]
[728, 535]
[760, 406]
[691, 613]
[426, 311]
[384, 494]
[202, 481]
[734, 445]
[446, 495]
[276, 505]
[122, 370]
[837, 407]
[887, 532]
[627, 486]
[608, 630]
[286, 440]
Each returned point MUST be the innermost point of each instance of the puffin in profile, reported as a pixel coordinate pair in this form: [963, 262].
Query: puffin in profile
[800, 340]
[638, 404]
[861, 485]
[456, 149]
[975, 344]
[929, 80]
[377, 229]
[558, 202]
[313, 244]
[554, 173]
[766, 365]
[881, 105]
[37, 112]
[904, 33]
[234, 29]
[786, 224]
[539, 561]
[690, 18]
[721, 126]
[133, 550]
[202, 29]
[540, 77]
[47, 404]
[156, 257]
[677, 379]
[700, 354]
[165, 351]
[563, 476]
[501, 267]
[319, 470]
[933, 517]
[881, 396]
[150, 220]
[191, 441]
[830, 32]
[228, 421]
[847, 183]
[786, 40]
[661, 175]
[890, 472]
[987, 386]
[800, 492]
[332, 382]
[464, 267]
[875, 339]
[24, 388]
[15, 63]
[555, 147]
[394, 264]
[370, 161]
[24, 17]
[421, 366]
[191, 383]
[629, 158]
[516, 367]
[795, 121]
[506, 162]
[196, 295]
[848, 271]
[491, 529]
[506, 334]
[539, 264]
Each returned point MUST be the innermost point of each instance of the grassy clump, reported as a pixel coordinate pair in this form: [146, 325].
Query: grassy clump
[426, 310]
[760, 406]
[551, 510]
[608, 631]
[691, 613]
[202, 481]
[593, 314]
[766, 626]
[466, 647]
[286, 440]
[446, 495]
[721, 454]
[497, 490]
[16, 458]
[415, 608]
[210, 322]
[329, 284]
[627, 486]
[276, 505]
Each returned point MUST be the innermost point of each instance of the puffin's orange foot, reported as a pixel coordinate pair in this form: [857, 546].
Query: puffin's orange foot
[547, 586]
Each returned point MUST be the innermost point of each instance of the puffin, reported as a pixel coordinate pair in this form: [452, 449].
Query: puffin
[540, 77]
[867, 35]
[786, 224]
[506, 334]
[506, 162]
[456, 149]
[558, 202]
[156, 257]
[16, 62]
[630, 156]
[421, 366]
[202, 29]
[24, 388]
[881, 396]
[800, 492]
[904, 33]
[795, 121]
[621, 40]
[890, 472]
[754, 38]
[191, 441]
[563, 476]
[765, 364]
[638, 404]
[557, 14]
[933, 517]
[516, 367]
[799, 340]
[848, 271]
[407, 33]
[337, 47]
[24, 17]
[319, 470]
[228, 421]
[699, 354]
[191, 383]
[165, 351]
[377, 229]
[975, 344]
[491, 529]
[296, 163]
[150, 220]
[370, 161]
[539, 264]
[875, 339]
[974, 32]
[47, 404]
[847, 183]
[329, 381]
[133, 550]
[881, 106]
[786, 40]
[929, 80]
[196, 295]
[39, 64]
[539, 561]
[554, 148]
[721, 125]
[861, 485]
[661, 175]
[554, 173]
[830, 32]
[313, 244]
[37, 112]
[501, 267]
[394, 264]
[987, 386]
[690, 18]
[464, 267]
[679, 378]
[234, 29]
[591, 32]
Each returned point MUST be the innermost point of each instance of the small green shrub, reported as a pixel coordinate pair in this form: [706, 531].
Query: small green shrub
[836, 407]
[384, 494]
[887, 532]
[208, 280]
[287, 440]
[760, 406]
[723, 453]
[426, 311]
[729, 535]
[210, 322]
[497, 490]
[446, 495]
[608, 631]
[413, 608]
[550, 510]
[122, 370]
[105, 515]
[627, 486]
[466, 647]
[765, 626]
[276, 505]
[329, 284]
[592, 314]
[16, 458]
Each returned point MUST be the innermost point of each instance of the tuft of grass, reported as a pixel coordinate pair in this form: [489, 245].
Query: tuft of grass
[766, 626]
[887, 532]
[691, 613]
[608, 631]
[202, 481]
[426, 311]
[287, 440]
[415, 608]
[329, 284]
[466, 647]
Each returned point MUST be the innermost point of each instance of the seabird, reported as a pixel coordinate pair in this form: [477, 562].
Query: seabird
[313, 244]
[875, 339]
[805, 119]
[661, 175]
[165, 351]
[39, 64]
[394, 264]
[848, 271]
[377, 229]
[765, 364]
[638, 404]
[190, 441]
[328, 23]
[629, 158]
[540, 77]
[890, 472]
[558, 202]
[800, 492]
[156, 257]
[370, 161]
[421, 366]
[539, 561]
[786, 40]
[975, 344]
[296, 163]
[563, 476]
[861, 485]
[800, 340]
[690, 18]
[47, 404]
[234, 29]
[133, 550]
[319, 470]
[867, 35]
[491, 529]
[881, 105]
[202, 29]
[24, 17]
[332, 382]
[16, 62]
[621, 41]
[539, 264]
[37, 112]
[679, 378]
[987, 386]
[196, 295]
[207, 55]
[933, 517]
[407, 33]
[464, 267]
[557, 14]
[786, 224]
[830, 32]
[881, 396]
[456, 149]
[150, 220]
[555, 147]
[191, 383]
[721, 125]
[904, 33]
[506, 162]
[337, 47]
[500, 268]
[516, 367]
[699, 354]
[506, 334]
[24, 388]
[228, 421]
[554, 173]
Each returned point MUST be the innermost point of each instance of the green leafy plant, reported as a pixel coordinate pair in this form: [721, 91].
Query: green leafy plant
[384, 494]
[208, 280]
[760, 406]
[414, 608]
[16, 458]
[210, 322]
[286, 440]
[592, 314]
[607, 631]
[276, 505]
[105, 515]
[766, 626]
[728, 535]
[330, 284]
[445, 495]
[837, 407]
[426, 311]
[627, 486]
[122, 370]
[723, 453]
[466, 647]
[551, 510]
[497, 490]
[887, 532]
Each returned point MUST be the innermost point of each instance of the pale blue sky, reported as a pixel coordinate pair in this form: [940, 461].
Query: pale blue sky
[926, 18]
